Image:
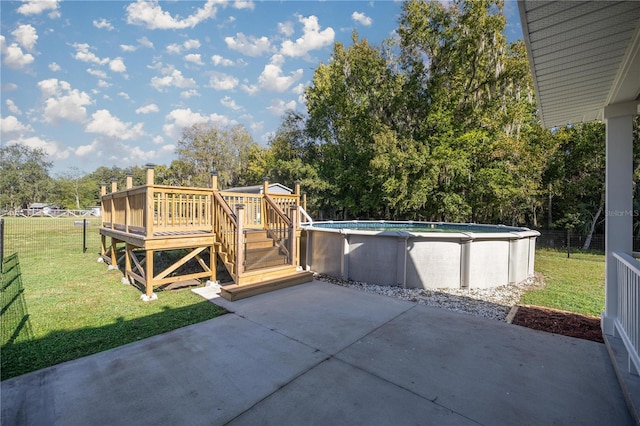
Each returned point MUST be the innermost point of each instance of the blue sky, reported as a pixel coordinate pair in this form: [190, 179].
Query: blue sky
[104, 83]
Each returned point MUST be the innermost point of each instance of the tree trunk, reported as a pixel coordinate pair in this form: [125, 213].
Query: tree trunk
[587, 242]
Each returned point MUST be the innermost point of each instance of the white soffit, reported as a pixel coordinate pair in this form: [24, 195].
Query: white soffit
[584, 55]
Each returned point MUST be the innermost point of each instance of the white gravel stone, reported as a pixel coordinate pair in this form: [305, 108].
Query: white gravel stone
[494, 303]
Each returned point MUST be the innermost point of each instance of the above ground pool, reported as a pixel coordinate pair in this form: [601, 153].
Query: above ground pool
[421, 254]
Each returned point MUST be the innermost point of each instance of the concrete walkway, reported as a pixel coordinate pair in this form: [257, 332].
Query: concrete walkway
[320, 354]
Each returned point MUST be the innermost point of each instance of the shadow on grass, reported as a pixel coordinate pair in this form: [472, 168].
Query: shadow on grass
[14, 316]
[20, 357]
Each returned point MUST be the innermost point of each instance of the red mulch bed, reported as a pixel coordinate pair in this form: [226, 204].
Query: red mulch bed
[559, 322]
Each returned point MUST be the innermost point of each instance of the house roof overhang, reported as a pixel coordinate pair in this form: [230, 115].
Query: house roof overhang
[584, 57]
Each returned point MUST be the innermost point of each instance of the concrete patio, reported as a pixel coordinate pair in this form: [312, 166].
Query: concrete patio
[320, 354]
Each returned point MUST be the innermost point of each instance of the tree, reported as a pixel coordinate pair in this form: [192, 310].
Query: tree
[24, 176]
[470, 103]
[352, 99]
[204, 147]
[75, 190]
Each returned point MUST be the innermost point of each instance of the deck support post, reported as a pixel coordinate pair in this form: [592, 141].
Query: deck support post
[293, 235]
[114, 253]
[239, 241]
[127, 260]
[129, 181]
[213, 263]
[265, 185]
[148, 277]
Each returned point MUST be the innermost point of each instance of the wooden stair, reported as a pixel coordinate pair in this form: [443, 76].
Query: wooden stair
[262, 251]
[266, 268]
[290, 277]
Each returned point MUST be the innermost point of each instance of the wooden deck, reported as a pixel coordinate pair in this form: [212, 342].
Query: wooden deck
[255, 236]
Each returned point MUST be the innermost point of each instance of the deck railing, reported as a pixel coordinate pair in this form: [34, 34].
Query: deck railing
[253, 209]
[185, 209]
[171, 209]
[628, 322]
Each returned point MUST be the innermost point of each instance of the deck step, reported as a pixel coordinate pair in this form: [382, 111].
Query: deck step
[236, 292]
[264, 258]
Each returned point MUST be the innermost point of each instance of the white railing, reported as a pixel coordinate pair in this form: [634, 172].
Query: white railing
[628, 321]
[306, 215]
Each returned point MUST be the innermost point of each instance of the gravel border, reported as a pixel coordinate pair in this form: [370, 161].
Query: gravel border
[493, 303]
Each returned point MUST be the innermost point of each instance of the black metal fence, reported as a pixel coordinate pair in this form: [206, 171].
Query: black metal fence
[561, 239]
[32, 237]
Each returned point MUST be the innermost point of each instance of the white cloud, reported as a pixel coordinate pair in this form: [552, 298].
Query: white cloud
[250, 89]
[175, 79]
[189, 94]
[10, 125]
[53, 66]
[221, 61]
[362, 19]
[191, 44]
[14, 57]
[312, 38]
[53, 149]
[83, 54]
[158, 139]
[145, 42]
[103, 24]
[128, 48]
[85, 150]
[117, 65]
[26, 36]
[103, 84]
[124, 95]
[279, 107]
[178, 119]
[147, 109]
[174, 49]
[248, 45]
[285, 28]
[272, 78]
[230, 103]
[104, 123]
[35, 7]
[194, 58]
[63, 102]
[222, 81]
[244, 4]
[149, 14]
[97, 73]
[13, 108]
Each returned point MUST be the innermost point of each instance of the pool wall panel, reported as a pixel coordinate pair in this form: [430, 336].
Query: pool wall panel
[325, 253]
[433, 263]
[489, 265]
[372, 259]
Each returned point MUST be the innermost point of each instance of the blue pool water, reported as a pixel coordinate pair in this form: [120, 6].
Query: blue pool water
[411, 226]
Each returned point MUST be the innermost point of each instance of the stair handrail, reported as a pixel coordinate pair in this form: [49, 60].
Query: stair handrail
[277, 227]
[225, 228]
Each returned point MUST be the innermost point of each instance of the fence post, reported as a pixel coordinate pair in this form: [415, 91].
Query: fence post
[84, 235]
[1, 244]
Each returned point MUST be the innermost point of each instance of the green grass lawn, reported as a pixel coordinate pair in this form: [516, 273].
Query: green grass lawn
[573, 284]
[75, 307]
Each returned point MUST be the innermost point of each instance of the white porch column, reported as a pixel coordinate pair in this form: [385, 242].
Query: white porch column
[619, 200]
